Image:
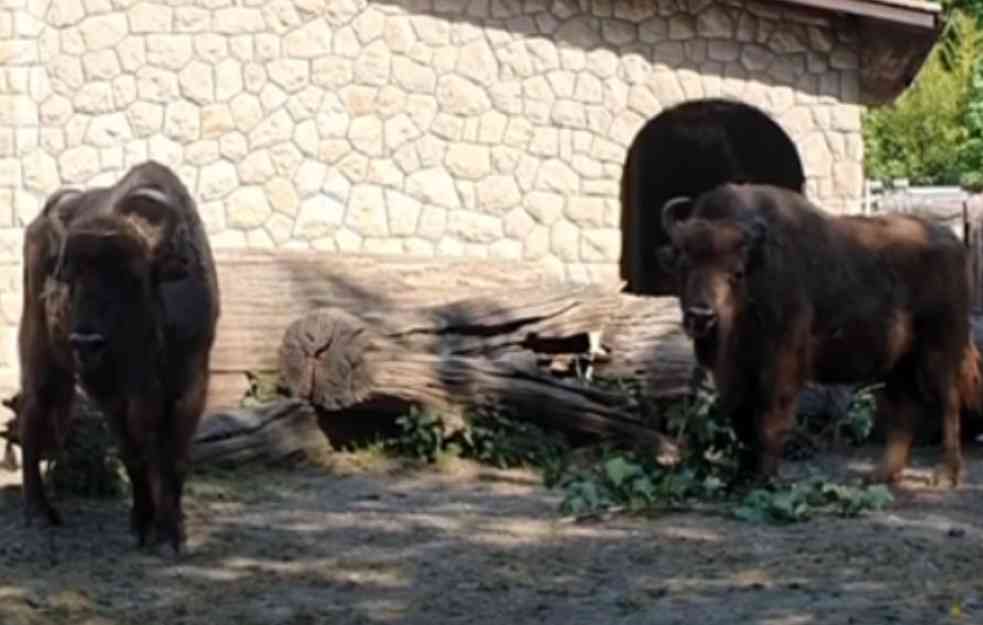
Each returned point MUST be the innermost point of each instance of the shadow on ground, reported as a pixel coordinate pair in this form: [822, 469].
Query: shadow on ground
[463, 544]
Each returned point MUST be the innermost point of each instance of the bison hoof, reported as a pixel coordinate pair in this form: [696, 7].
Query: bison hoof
[953, 474]
[140, 523]
[883, 476]
[44, 512]
[175, 542]
[173, 537]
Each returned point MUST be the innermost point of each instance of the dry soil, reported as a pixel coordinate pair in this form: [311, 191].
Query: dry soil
[460, 543]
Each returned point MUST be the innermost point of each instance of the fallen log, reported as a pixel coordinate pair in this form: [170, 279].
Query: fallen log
[262, 292]
[348, 367]
[643, 340]
[272, 432]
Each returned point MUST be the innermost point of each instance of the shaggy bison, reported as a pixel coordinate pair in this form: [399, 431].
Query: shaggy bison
[685, 150]
[120, 295]
[775, 293]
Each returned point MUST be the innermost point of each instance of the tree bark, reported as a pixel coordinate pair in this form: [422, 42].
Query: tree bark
[513, 348]
[272, 432]
[262, 292]
[349, 368]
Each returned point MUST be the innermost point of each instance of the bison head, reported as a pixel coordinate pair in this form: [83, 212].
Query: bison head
[113, 262]
[712, 259]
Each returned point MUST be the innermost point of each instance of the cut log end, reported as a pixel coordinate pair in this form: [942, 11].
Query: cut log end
[321, 358]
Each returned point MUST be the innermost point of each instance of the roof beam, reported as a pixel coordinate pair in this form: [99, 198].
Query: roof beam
[909, 12]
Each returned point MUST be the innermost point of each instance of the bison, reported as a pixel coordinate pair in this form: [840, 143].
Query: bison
[687, 149]
[120, 296]
[774, 293]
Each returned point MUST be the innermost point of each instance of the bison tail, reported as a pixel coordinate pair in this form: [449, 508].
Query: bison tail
[971, 380]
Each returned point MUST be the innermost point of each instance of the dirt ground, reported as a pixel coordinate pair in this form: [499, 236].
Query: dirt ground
[460, 543]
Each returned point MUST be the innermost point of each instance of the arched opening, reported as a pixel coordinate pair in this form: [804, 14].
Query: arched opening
[685, 150]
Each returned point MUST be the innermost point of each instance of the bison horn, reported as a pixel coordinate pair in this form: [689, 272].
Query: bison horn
[162, 210]
[59, 198]
[58, 212]
[672, 211]
[152, 197]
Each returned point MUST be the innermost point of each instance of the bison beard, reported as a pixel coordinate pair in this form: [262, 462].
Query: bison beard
[121, 296]
[775, 293]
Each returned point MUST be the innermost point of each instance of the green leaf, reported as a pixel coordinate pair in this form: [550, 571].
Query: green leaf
[750, 514]
[618, 470]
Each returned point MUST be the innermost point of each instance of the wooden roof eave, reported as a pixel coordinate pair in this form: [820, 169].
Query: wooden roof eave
[895, 38]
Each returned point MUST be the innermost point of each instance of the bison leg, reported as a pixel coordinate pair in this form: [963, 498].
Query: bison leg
[937, 381]
[162, 480]
[42, 411]
[778, 417]
[161, 485]
[142, 508]
[186, 415]
[952, 461]
[152, 492]
[940, 387]
[132, 454]
[939, 372]
[738, 409]
[143, 461]
[896, 408]
[166, 483]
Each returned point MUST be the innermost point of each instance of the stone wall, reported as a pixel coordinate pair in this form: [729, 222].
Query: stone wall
[433, 127]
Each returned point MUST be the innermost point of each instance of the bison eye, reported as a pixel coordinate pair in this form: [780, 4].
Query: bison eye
[738, 274]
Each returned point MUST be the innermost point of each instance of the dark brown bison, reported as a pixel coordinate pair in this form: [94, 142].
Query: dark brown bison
[120, 295]
[776, 293]
[686, 150]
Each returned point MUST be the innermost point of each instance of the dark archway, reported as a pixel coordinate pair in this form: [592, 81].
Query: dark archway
[685, 150]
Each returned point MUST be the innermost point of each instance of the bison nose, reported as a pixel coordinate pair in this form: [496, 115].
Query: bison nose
[87, 345]
[699, 320]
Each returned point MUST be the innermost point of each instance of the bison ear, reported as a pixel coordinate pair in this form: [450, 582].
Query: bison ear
[675, 210]
[161, 218]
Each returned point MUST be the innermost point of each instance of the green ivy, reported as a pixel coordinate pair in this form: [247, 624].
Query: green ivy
[636, 481]
[421, 435]
[494, 438]
[708, 472]
[803, 500]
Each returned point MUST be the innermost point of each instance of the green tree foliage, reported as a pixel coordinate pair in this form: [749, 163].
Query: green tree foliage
[971, 155]
[933, 133]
